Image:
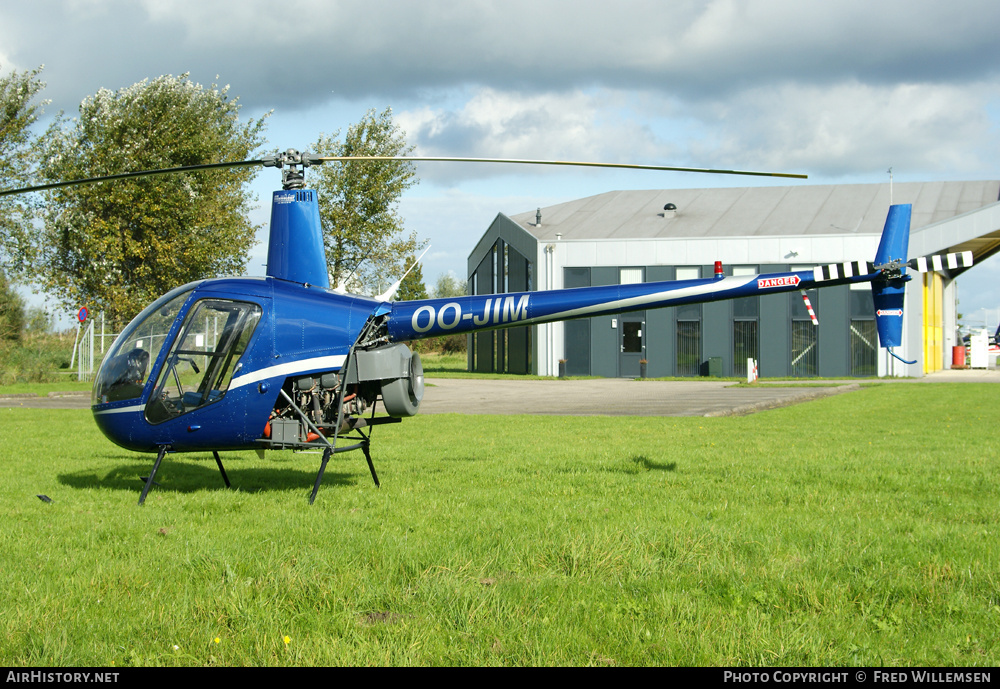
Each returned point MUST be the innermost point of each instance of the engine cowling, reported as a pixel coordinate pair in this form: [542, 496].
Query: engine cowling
[399, 373]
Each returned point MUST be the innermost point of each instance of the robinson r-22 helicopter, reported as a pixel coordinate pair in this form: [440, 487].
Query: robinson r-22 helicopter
[287, 362]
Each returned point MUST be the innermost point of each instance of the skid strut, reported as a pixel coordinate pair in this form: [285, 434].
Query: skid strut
[331, 447]
[221, 469]
[156, 466]
[152, 474]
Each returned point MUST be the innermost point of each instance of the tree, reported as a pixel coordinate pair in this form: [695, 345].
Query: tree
[19, 110]
[412, 286]
[118, 245]
[11, 312]
[358, 203]
[450, 286]
[37, 320]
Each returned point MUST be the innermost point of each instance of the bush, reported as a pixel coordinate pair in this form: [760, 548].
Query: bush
[446, 344]
[36, 358]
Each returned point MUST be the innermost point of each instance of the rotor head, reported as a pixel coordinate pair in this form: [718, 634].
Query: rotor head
[292, 165]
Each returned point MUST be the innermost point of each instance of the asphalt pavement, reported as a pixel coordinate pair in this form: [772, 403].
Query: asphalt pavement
[599, 396]
[610, 397]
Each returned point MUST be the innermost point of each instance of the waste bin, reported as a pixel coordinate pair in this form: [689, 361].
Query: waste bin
[715, 366]
[958, 356]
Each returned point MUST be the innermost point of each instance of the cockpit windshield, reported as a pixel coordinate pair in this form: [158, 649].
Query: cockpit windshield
[126, 367]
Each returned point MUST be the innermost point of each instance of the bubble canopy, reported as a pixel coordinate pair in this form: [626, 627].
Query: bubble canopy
[126, 368]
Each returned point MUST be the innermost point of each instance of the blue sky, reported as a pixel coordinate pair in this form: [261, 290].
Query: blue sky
[840, 90]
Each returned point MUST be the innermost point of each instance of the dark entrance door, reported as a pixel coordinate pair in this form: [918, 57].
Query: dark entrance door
[632, 341]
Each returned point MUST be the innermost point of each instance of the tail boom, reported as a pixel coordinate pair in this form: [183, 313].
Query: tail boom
[411, 320]
[887, 274]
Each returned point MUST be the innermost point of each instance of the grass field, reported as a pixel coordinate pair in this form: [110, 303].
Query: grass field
[859, 529]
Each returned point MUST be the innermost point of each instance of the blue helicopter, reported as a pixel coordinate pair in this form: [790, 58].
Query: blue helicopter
[287, 361]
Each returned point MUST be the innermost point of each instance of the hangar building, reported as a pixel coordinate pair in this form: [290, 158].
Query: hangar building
[621, 237]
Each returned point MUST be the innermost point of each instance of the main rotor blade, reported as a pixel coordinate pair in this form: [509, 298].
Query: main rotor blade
[415, 159]
[517, 161]
[129, 175]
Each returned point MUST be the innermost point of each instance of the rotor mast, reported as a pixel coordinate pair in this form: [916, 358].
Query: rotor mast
[292, 164]
[295, 250]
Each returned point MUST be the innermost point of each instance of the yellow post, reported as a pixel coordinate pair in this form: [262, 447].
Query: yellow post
[933, 298]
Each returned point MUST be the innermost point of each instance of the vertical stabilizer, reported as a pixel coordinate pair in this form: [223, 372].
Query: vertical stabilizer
[888, 289]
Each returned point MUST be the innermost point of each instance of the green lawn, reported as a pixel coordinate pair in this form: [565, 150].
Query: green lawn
[856, 529]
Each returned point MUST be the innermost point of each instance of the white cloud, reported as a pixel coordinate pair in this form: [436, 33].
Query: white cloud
[293, 54]
[851, 127]
[453, 220]
[596, 125]
[847, 128]
[840, 88]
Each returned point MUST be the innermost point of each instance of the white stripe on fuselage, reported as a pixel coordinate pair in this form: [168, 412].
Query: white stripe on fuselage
[318, 363]
[121, 410]
[666, 295]
[292, 367]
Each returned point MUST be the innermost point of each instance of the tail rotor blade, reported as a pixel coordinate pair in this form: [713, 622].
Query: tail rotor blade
[922, 264]
[941, 262]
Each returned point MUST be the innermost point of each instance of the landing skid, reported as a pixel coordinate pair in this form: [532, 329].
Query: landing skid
[164, 449]
[329, 447]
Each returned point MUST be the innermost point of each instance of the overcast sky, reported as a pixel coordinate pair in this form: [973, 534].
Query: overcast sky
[840, 90]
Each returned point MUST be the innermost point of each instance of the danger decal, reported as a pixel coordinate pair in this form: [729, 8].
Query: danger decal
[786, 281]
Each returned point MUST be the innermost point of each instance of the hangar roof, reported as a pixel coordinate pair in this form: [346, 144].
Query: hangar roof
[755, 211]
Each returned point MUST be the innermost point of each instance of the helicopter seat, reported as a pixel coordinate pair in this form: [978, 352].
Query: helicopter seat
[193, 399]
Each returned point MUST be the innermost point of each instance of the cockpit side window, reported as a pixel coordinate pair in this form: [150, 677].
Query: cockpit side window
[203, 358]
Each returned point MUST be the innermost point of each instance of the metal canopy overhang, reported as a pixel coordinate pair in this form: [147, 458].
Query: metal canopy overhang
[982, 248]
[977, 231]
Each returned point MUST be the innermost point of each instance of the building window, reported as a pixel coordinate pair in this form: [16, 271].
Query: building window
[507, 350]
[688, 348]
[746, 341]
[864, 348]
[630, 276]
[745, 346]
[500, 356]
[689, 330]
[805, 335]
[864, 334]
[805, 359]
[576, 333]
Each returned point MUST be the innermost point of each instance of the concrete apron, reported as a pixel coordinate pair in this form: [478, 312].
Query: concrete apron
[599, 396]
